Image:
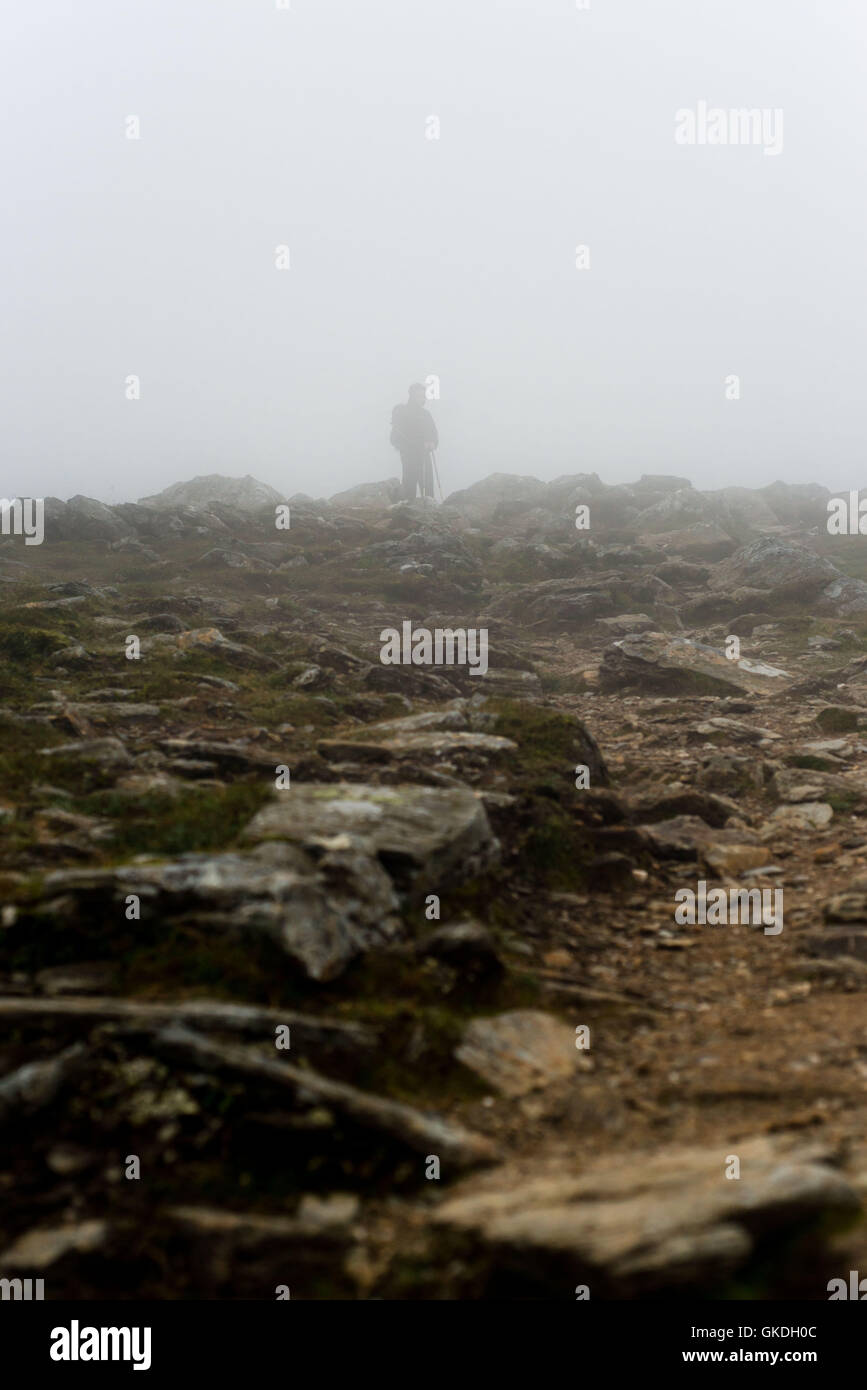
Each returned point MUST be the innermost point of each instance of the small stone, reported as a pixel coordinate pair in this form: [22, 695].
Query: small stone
[735, 859]
[558, 960]
[40, 1249]
[66, 1159]
[338, 1209]
[311, 678]
[519, 1051]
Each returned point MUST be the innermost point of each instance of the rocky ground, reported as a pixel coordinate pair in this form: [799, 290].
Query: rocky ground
[295, 944]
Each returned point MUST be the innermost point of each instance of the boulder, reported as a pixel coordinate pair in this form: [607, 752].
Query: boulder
[497, 496]
[845, 598]
[655, 662]
[368, 494]
[424, 833]
[321, 913]
[83, 518]
[244, 494]
[782, 568]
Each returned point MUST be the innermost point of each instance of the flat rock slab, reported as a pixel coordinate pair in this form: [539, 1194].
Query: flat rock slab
[315, 1215]
[650, 1221]
[102, 710]
[666, 802]
[432, 743]
[625, 623]
[519, 1051]
[413, 830]
[833, 747]
[49, 603]
[418, 723]
[654, 662]
[733, 730]
[103, 756]
[681, 837]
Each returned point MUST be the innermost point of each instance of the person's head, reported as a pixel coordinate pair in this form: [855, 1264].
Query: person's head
[417, 394]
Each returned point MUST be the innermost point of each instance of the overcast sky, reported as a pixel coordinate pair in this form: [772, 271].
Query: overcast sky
[412, 257]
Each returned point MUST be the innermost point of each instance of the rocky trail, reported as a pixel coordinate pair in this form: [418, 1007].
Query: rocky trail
[365, 980]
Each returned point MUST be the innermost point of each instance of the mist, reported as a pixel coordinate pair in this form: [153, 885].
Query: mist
[449, 259]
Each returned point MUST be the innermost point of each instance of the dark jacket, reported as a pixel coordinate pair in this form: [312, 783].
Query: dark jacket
[413, 429]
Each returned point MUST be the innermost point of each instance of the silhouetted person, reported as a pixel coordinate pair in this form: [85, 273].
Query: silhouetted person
[414, 433]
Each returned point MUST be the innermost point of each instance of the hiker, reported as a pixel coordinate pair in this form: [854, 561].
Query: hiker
[414, 434]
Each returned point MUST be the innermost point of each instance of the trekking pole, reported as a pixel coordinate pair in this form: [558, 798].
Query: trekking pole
[437, 473]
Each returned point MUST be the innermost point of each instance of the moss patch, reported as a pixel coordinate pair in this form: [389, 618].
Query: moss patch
[198, 820]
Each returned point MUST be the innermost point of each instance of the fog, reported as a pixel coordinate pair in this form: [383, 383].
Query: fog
[412, 258]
